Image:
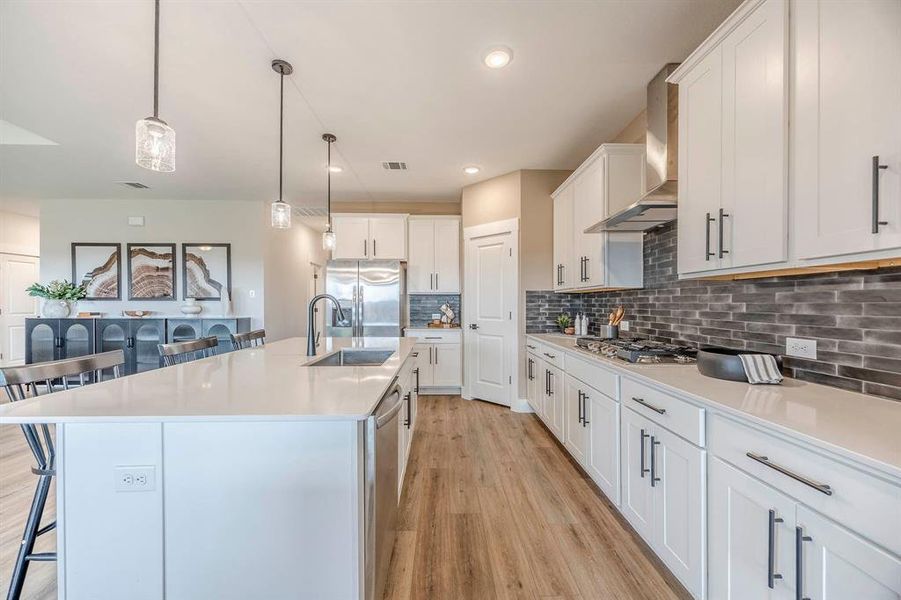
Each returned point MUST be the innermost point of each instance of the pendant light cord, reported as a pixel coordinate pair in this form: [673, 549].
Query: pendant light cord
[329, 192]
[281, 130]
[156, 61]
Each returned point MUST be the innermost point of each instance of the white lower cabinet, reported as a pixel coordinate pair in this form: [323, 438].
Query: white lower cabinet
[554, 398]
[575, 428]
[448, 366]
[751, 537]
[663, 496]
[440, 360]
[601, 414]
[533, 388]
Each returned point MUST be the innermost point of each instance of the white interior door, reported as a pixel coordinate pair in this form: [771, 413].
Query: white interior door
[16, 274]
[490, 336]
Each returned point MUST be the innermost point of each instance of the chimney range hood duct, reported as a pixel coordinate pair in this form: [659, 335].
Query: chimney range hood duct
[658, 206]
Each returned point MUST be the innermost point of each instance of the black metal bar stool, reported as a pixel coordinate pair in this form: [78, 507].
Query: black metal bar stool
[40, 379]
[182, 352]
[251, 339]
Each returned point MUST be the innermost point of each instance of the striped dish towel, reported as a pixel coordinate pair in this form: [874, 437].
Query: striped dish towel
[761, 368]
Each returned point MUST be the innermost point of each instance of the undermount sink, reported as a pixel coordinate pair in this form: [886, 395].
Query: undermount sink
[353, 358]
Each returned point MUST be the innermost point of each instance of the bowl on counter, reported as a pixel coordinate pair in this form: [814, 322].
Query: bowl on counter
[724, 363]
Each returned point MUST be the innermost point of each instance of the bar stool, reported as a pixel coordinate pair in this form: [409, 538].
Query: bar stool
[251, 339]
[31, 381]
[182, 352]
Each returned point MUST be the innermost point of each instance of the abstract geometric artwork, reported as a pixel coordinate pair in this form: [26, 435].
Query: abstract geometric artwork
[207, 270]
[97, 267]
[151, 271]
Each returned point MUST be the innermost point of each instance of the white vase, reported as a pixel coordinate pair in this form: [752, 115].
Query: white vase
[190, 307]
[56, 309]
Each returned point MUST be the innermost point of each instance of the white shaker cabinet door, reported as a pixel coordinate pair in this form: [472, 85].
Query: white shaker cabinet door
[751, 224]
[846, 94]
[678, 477]
[588, 208]
[388, 237]
[575, 434]
[447, 256]
[554, 402]
[421, 265]
[448, 365]
[700, 164]
[351, 237]
[835, 563]
[751, 535]
[602, 460]
[534, 391]
[563, 240]
[637, 494]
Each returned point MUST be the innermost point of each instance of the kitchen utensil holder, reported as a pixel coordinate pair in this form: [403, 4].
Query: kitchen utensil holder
[609, 331]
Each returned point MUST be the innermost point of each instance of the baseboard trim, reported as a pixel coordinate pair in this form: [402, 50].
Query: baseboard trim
[439, 391]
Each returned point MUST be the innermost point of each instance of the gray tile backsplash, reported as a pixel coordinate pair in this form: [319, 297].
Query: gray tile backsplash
[423, 306]
[855, 316]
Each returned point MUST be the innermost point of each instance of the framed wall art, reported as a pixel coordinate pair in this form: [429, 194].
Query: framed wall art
[97, 267]
[151, 271]
[206, 270]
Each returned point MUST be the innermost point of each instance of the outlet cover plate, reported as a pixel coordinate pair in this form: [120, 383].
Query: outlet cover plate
[624, 326]
[801, 348]
[136, 478]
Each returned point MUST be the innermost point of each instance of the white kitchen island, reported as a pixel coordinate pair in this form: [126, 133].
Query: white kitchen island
[238, 476]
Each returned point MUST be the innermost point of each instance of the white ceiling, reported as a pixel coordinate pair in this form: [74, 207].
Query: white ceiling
[393, 80]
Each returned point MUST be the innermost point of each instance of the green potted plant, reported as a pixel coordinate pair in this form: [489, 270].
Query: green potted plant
[59, 297]
[565, 322]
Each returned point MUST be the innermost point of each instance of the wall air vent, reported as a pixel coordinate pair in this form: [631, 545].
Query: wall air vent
[134, 184]
[309, 211]
[394, 166]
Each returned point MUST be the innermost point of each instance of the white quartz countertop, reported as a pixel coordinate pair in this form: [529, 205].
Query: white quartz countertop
[864, 428]
[265, 383]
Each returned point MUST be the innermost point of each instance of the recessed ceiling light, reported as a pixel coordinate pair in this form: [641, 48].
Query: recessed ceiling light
[471, 170]
[498, 57]
[335, 169]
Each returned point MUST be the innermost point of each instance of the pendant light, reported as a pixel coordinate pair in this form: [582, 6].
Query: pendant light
[281, 211]
[328, 236]
[154, 139]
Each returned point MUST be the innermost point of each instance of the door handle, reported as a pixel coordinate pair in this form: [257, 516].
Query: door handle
[473, 325]
[707, 251]
[771, 574]
[585, 410]
[643, 470]
[723, 216]
[820, 487]
[659, 411]
[580, 406]
[654, 444]
[876, 168]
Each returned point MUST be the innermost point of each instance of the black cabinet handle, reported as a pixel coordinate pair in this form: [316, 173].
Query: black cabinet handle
[550, 384]
[373, 248]
[416, 372]
[876, 168]
[800, 538]
[365, 247]
[707, 251]
[436, 355]
[654, 444]
[584, 410]
[587, 277]
[659, 411]
[771, 574]
[580, 406]
[431, 281]
[643, 470]
[723, 216]
[409, 400]
[130, 342]
[547, 382]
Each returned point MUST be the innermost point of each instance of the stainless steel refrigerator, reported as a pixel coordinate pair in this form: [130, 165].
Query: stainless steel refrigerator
[372, 294]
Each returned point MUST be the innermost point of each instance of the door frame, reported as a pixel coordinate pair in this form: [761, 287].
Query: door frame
[511, 227]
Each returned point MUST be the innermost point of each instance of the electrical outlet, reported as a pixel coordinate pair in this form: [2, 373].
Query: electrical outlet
[624, 326]
[801, 348]
[135, 478]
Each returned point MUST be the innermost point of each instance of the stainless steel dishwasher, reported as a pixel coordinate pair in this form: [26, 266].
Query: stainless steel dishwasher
[381, 489]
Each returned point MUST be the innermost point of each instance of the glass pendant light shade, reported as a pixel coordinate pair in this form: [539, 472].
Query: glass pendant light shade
[281, 215]
[328, 239]
[155, 145]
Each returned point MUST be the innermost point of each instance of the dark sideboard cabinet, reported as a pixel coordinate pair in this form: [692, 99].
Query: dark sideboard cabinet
[55, 339]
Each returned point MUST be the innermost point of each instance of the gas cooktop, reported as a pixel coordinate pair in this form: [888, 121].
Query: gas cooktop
[638, 350]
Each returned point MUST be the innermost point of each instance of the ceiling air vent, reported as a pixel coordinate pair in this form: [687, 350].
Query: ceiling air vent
[134, 184]
[309, 211]
[394, 166]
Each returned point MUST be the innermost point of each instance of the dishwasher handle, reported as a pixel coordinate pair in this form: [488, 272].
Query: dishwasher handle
[388, 416]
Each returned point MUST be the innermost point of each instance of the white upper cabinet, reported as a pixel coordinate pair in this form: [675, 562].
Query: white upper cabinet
[846, 110]
[434, 263]
[733, 134]
[563, 237]
[362, 237]
[611, 179]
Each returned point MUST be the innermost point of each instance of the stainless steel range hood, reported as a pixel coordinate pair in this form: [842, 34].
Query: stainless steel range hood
[658, 206]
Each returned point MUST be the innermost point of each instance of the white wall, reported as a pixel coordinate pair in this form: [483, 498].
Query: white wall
[289, 258]
[19, 234]
[166, 221]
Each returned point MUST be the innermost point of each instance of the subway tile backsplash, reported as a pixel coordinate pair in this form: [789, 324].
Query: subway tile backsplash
[423, 306]
[855, 316]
